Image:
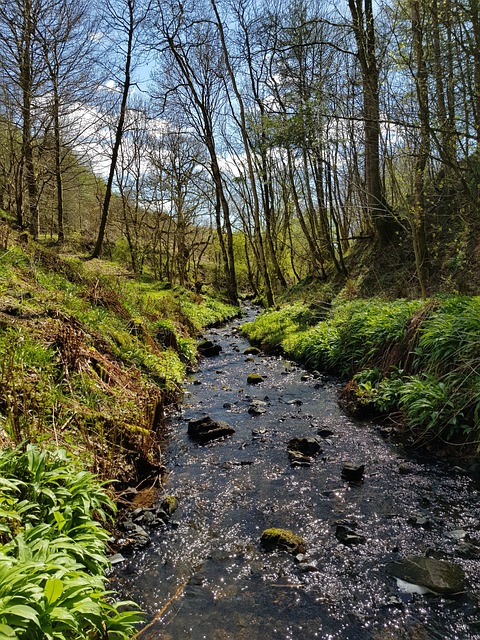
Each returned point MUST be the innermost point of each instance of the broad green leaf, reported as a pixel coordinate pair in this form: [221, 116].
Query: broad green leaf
[53, 590]
[22, 611]
[7, 633]
[60, 519]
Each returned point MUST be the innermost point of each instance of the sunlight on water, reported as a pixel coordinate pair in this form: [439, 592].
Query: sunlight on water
[206, 571]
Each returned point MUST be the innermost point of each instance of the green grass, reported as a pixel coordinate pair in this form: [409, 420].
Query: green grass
[420, 358]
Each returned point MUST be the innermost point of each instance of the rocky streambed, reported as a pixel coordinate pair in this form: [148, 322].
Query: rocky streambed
[384, 545]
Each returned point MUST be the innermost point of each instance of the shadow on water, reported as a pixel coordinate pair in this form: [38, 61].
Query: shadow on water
[205, 574]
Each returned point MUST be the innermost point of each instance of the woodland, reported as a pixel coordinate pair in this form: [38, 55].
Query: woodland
[162, 161]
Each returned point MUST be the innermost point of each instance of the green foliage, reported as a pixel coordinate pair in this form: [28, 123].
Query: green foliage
[53, 554]
[422, 358]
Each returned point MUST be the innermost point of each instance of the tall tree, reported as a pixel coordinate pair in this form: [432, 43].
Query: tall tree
[124, 20]
[363, 24]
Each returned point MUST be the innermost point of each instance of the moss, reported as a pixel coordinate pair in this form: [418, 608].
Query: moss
[254, 378]
[170, 504]
[282, 539]
[252, 351]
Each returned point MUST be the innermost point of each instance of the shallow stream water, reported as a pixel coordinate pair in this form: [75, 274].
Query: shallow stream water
[205, 574]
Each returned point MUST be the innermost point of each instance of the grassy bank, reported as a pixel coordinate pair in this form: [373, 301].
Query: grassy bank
[418, 359]
[90, 358]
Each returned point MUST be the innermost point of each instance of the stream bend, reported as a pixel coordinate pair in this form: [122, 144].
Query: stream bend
[205, 574]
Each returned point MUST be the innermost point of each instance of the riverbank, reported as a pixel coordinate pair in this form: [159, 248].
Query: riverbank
[90, 362]
[415, 361]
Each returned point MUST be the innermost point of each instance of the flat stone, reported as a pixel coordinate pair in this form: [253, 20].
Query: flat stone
[325, 433]
[438, 576]
[307, 446]
[348, 536]
[205, 429]
[257, 407]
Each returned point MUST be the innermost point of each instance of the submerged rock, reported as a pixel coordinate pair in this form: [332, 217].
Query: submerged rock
[208, 349]
[205, 429]
[438, 576]
[282, 539]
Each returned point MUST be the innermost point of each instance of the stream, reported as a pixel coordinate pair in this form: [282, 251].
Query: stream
[205, 574]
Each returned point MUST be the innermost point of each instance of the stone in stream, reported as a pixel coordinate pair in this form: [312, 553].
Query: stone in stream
[208, 349]
[353, 472]
[254, 378]
[282, 539]
[347, 536]
[307, 446]
[205, 429]
[438, 576]
[257, 408]
[251, 351]
[324, 432]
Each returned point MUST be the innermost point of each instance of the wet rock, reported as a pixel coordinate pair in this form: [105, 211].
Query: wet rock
[296, 401]
[305, 377]
[197, 382]
[468, 549]
[257, 408]
[299, 460]
[208, 349]
[420, 520]
[205, 429]
[353, 472]
[308, 567]
[227, 405]
[116, 558]
[254, 378]
[438, 576]
[169, 505]
[251, 351]
[346, 535]
[406, 469]
[249, 359]
[257, 433]
[457, 534]
[325, 433]
[307, 446]
[386, 432]
[282, 539]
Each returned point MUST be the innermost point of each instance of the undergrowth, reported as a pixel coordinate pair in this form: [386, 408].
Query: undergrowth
[53, 552]
[419, 358]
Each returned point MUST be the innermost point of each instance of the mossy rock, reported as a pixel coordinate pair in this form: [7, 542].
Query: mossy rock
[254, 378]
[282, 539]
[251, 351]
[170, 504]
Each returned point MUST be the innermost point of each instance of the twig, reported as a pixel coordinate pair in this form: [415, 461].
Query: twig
[160, 613]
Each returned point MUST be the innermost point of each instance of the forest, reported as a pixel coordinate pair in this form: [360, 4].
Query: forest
[167, 165]
[248, 145]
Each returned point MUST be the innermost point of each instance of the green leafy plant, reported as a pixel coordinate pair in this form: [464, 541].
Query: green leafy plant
[53, 552]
